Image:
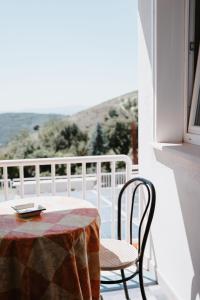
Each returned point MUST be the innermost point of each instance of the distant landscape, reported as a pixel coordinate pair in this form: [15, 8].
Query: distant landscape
[12, 123]
[107, 128]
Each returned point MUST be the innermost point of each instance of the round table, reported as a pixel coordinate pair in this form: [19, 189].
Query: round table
[53, 256]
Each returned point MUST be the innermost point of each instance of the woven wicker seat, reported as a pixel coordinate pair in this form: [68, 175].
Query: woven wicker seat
[116, 255]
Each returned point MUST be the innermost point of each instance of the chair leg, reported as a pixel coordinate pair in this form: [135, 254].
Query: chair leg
[141, 281]
[125, 285]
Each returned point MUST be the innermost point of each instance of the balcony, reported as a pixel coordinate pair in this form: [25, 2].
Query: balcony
[96, 179]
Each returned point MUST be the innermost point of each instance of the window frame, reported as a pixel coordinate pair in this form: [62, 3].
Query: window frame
[192, 78]
[196, 90]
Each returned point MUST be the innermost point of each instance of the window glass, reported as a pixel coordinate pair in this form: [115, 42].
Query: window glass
[194, 120]
[197, 115]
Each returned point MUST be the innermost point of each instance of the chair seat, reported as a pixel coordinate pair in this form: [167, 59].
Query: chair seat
[116, 255]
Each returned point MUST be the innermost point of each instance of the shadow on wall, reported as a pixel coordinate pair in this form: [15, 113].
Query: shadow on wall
[187, 177]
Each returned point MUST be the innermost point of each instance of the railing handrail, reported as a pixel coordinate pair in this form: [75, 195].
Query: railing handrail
[64, 160]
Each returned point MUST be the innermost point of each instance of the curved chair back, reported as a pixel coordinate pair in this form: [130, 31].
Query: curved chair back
[147, 215]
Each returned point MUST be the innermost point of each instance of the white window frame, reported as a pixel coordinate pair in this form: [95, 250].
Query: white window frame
[196, 90]
[192, 133]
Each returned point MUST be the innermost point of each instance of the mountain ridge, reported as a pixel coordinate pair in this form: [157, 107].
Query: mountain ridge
[87, 118]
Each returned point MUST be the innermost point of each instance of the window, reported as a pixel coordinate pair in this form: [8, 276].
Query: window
[194, 68]
[194, 122]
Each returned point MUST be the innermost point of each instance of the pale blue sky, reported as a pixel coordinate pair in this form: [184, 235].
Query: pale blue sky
[59, 53]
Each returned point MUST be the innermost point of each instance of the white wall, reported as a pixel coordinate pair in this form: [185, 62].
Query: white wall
[169, 61]
[176, 226]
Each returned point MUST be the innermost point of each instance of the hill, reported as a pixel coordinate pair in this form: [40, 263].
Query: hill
[87, 119]
[76, 135]
[12, 123]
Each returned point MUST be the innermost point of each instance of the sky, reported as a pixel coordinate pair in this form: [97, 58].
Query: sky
[56, 54]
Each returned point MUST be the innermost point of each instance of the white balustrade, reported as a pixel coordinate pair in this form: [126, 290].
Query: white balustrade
[94, 176]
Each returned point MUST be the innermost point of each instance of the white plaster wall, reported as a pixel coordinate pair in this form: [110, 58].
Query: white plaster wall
[170, 66]
[176, 226]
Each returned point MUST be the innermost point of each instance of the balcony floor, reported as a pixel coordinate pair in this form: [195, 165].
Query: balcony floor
[152, 292]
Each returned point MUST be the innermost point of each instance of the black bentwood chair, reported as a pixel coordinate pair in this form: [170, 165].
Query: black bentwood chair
[119, 255]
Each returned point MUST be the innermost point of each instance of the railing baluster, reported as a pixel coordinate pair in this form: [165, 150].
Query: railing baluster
[53, 176]
[68, 179]
[37, 176]
[113, 199]
[128, 203]
[5, 181]
[84, 180]
[99, 186]
[21, 175]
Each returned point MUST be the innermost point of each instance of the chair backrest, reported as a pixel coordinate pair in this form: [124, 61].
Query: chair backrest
[147, 215]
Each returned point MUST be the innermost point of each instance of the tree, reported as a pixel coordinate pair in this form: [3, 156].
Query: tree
[119, 138]
[22, 146]
[113, 113]
[48, 135]
[129, 108]
[63, 137]
[36, 127]
[98, 144]
[72, 136]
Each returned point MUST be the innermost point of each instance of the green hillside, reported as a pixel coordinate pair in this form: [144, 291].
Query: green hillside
[107, 128]
[101, 113]
[12, 123]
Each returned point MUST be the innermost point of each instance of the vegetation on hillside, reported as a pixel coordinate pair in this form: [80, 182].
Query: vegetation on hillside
[11, 124]
[116, 135]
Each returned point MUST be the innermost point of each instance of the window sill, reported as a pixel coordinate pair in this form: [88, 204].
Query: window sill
[192, 138]
[186, 151]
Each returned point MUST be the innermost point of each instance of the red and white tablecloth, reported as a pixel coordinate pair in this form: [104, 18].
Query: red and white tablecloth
[51, 257]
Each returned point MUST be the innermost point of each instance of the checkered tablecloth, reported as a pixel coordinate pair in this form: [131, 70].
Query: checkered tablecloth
[51, 257]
